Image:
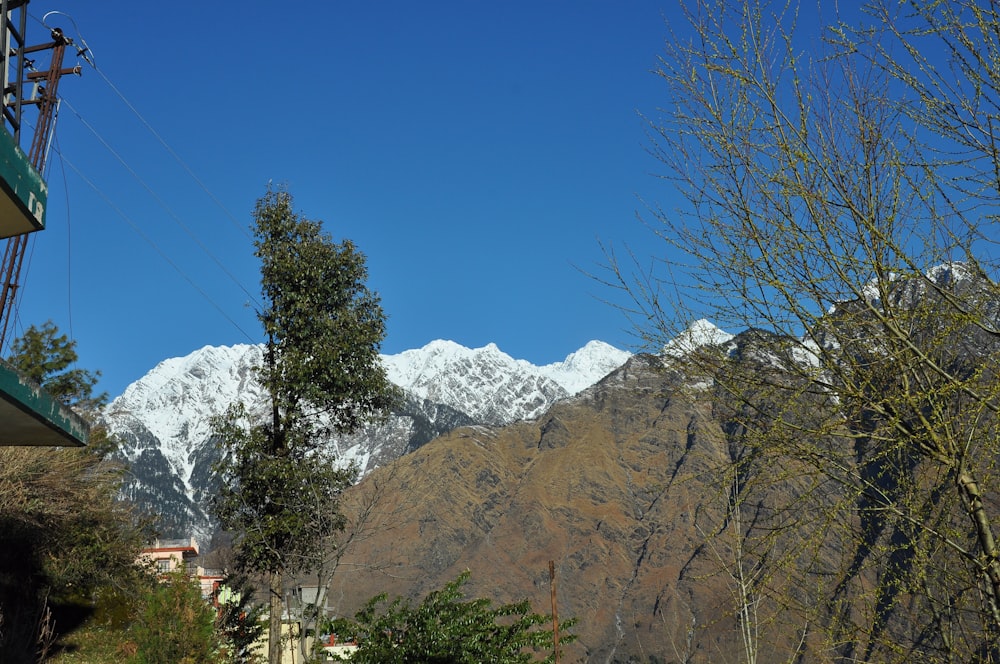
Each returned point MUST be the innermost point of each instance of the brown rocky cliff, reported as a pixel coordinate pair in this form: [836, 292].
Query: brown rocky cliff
[617, 486]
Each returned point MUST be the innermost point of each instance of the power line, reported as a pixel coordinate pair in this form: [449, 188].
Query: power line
[86, 53]
[69, 242]
[155, 247]
[173, 215]
[170, 150]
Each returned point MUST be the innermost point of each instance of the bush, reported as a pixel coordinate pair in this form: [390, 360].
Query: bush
[446, 630]
[176, 625]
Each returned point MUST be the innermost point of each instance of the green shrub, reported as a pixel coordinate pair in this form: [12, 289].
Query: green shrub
[443, 629]
[176, 626]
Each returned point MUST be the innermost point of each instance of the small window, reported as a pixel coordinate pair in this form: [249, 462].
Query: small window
[163, 565]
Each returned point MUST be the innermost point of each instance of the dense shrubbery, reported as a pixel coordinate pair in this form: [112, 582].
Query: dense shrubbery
[447, 630]
[63, 534]
[176, 625]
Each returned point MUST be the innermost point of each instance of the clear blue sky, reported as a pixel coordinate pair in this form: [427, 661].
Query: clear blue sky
[477, 152]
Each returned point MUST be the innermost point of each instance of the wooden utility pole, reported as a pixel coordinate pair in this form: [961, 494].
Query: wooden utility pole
[555, 612]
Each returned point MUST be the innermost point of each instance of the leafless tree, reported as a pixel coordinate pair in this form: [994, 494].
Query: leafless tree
[836, 188]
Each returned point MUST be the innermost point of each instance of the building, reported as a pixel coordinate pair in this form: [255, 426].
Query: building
[171, 555]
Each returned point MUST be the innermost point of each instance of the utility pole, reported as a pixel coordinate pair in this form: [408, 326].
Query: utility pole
[555, 613]
[20, 73]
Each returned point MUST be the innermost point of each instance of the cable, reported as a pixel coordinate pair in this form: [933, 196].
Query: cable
[86, 53]
[81, 52]
[164, 205]
[236, 223]
[156, 248]
[183, 164]
[69, 242]
[16, 304]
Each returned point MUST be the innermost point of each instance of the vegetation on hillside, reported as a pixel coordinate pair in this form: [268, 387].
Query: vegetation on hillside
[839, 189]
[839, 194]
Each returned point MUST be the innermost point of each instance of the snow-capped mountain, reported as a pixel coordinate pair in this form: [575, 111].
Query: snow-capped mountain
[177, 399]
[699, 333]
[491, 386]
[164, 418]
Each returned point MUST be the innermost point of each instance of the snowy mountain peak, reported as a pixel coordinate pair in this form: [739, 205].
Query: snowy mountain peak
[421, 370]
[210, 365]
[951, 273]
[165, 418]
[586, 366]
[699, 333]
[176, 400]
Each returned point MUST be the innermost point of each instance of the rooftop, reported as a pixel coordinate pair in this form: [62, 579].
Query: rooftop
[30, 416]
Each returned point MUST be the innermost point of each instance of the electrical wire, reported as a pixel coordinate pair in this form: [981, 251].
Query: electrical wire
[163, 204]
[16, 304]
[85, 53]
[69, 240]
[155, 247]
[242, 228]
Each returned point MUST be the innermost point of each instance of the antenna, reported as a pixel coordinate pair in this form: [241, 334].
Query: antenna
[23, 191]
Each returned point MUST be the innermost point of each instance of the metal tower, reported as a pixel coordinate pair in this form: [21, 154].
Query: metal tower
[24, 192]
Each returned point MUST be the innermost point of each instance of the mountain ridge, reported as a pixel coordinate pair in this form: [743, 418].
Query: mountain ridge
[638, 491]
[164, 418]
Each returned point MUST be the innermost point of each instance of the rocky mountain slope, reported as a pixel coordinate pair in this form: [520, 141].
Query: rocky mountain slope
[164, 419]
[628, 487]
[601, 485]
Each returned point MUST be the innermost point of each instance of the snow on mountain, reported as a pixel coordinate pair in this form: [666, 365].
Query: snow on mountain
[699, 333]
[177, 399]
[586, 366]
[164, 418]
[491, 386]
[951, 272]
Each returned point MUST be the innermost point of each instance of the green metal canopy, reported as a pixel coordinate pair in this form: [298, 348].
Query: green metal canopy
[23, 192]
[30, 416]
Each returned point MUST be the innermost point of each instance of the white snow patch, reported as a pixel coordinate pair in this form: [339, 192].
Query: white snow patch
[699, 333]
[586, 366]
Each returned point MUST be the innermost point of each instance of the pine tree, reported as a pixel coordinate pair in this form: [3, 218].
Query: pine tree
[49, 358]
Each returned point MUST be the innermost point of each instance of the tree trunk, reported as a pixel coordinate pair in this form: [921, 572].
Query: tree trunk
[991, 557]
[275, 607]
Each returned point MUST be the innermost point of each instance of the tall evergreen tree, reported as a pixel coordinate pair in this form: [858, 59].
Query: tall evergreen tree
[49, 358]
[323, 375]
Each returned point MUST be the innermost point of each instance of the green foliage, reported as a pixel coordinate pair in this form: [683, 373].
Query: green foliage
[239, 620]
[46, 357]
[94, 644]
[447, 630]
[64, 535]
[176, 625]
[323, 375]
[283, 505]
[324, 327]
